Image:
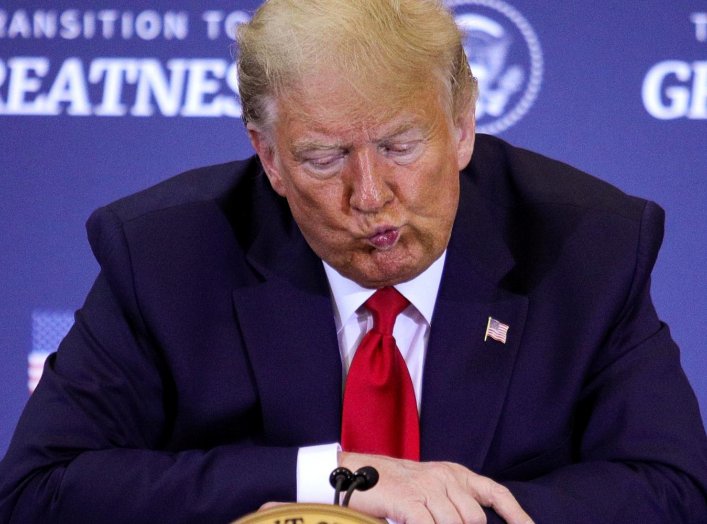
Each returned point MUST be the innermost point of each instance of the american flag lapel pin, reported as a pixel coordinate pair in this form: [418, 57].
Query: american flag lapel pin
[496, 330]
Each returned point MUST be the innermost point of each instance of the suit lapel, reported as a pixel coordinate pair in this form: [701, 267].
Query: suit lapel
[288, 330]
[466, 378]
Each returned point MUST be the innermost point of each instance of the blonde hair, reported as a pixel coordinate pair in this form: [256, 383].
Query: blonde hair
[379, 46]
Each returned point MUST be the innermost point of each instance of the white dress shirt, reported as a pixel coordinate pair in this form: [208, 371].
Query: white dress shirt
[352, 320]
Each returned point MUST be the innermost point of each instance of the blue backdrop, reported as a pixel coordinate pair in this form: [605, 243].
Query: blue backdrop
[100, 100]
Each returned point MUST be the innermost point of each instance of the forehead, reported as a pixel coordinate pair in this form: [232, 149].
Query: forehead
[326, 105]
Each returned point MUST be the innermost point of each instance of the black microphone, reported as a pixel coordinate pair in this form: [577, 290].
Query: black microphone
[340, 479]
[363, 479]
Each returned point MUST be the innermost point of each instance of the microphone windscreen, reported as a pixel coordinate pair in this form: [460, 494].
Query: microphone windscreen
[369, 474]
[341, 478]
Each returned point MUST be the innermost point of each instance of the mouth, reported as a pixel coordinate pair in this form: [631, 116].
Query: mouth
[384, 238]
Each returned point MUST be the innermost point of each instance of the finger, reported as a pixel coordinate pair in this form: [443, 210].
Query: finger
[273, 504]
[413, 514]
[466, 505]
[443, 509]
[497, 496]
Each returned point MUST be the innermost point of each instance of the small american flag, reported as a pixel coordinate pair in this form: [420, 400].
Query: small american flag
[496, 330]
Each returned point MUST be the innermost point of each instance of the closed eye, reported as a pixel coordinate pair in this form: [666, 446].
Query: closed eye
[402, 152]
[325, 164]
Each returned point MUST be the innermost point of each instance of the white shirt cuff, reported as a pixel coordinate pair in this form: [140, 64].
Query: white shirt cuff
[314, 465]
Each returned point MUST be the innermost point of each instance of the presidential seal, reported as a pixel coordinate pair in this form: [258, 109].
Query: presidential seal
[506, 58]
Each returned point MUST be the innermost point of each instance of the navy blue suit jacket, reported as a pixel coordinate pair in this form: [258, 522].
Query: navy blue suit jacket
[206, 354]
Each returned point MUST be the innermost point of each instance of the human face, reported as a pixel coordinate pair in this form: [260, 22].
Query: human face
[374, 196]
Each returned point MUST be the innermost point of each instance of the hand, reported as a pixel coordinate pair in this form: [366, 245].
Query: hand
[270, 505]
[431, 492]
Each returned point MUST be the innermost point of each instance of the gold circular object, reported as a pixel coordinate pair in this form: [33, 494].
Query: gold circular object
[307, 514]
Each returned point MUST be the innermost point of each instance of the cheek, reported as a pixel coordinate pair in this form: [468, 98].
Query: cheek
[434, 192]
[315, 201]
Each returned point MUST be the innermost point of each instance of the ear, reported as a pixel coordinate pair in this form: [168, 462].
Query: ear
[263, 144]
[466, 134]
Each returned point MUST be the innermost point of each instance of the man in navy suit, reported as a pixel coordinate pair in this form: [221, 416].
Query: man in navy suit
[204, 374]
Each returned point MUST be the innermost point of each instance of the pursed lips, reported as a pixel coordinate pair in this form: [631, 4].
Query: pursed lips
[384, 238]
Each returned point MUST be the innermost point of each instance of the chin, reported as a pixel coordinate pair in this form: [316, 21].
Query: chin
[384, 268]
[382, 277]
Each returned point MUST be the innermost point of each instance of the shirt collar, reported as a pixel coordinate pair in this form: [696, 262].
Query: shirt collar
[421, 291]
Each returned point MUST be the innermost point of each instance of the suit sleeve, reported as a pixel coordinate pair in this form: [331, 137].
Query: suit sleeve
[90, 445]
[642, 448]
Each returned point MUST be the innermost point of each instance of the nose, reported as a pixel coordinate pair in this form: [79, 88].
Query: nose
[370, 191]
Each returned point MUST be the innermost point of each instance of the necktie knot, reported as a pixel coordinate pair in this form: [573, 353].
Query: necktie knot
[385, 305]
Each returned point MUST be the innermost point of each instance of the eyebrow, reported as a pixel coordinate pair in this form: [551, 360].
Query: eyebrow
[298, 148]
[303, 146]
[400, 129]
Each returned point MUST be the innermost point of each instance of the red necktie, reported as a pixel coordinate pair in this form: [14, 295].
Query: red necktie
[380, 411]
